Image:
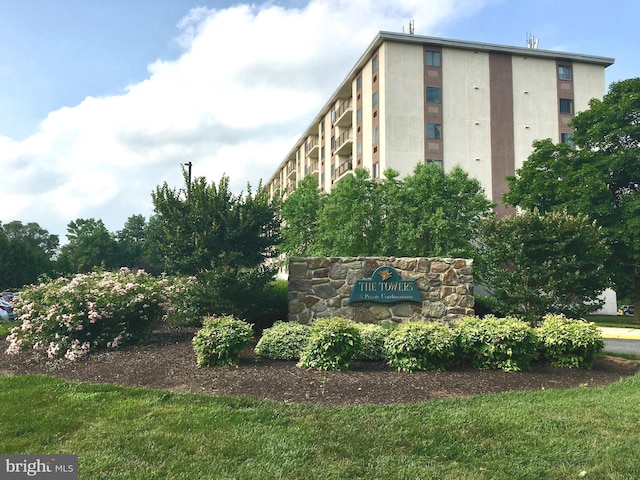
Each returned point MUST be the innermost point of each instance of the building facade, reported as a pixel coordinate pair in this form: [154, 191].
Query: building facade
[412, 99]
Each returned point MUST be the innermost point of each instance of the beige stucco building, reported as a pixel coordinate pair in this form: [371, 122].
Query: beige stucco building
[412, 99]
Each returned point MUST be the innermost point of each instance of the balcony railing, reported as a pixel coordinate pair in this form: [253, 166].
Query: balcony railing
[344, 167]
[313, 167]
[311, 147]
[343, 113]
[344, 143]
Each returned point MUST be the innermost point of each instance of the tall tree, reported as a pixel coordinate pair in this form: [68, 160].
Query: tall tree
[90, 245]
[348, 224]
[135, 249]
[537, 263]
[300, 212]
[440, 212]
[599, 179]
[207, 226]
[30, 251]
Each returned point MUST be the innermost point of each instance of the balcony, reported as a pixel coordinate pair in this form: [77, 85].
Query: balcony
[291, 169]
[312, 147]
[343, 114]
[312, 168]
[344, 143]
[344, 167]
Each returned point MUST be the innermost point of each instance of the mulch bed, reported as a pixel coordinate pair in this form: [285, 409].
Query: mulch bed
[169, 363]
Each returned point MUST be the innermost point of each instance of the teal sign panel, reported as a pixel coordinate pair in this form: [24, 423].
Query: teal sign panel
[385, 286]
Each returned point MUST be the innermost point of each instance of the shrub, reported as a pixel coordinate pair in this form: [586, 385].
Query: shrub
[220, 341]
[69, 317]
[274, 305]
[569, 343]
[505, 343]
[372, 346]
[283, 341]
[333, 343]
[415, 346]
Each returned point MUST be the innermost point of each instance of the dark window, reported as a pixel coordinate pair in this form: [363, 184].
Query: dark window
[359, 83]
[374, 99]
[564, 72]
[566, 106]
[434, 131]
[374, 64]
[434, 95]
[567, 138]
[359, 116]
[432, 58]
[375, 135]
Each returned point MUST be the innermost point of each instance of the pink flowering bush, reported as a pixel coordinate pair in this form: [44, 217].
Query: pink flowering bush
[70, 317]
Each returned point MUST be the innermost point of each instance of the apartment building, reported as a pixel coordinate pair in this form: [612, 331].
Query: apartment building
[412, 99]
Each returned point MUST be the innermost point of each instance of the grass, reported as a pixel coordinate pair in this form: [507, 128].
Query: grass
[616, 321]
[137, 433]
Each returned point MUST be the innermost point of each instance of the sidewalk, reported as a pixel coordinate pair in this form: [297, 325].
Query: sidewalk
[621, 333]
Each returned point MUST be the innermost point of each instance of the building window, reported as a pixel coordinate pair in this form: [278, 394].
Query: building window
[434, 95]
[374, 99]
[359, 83]
[376, 170]
[359, 147]
[567, 138]
[432, 58]
[434, 162]
[375, 134]
[564, 72]
[374, 64]
[566, 106]
[434, 131]
[322, 152]
[322, 127]
[359, 116]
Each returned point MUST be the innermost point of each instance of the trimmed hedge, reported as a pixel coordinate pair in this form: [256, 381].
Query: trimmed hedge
[569, 343]
[415, 346]
[220, 341]
[283, 341]
[333, 344]
[507, 344]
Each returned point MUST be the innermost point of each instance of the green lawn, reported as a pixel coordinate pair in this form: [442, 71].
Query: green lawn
[144, 434]
[624, 321]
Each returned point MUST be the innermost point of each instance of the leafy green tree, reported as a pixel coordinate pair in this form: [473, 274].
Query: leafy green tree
[535, 264]
[90, 245]
[226, 240]
[600, 178]
[212, 227]
[135, 248]
[347, 223]
[29, 252]
[300, 212]
[440, 212]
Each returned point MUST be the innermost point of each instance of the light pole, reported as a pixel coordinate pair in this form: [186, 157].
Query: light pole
[189, 165]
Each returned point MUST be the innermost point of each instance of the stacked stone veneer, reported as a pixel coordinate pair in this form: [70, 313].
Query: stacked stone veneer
[320, 287]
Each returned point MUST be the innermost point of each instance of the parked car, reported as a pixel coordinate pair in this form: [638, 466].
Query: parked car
[626, 310]
[6, 307]
[4, 316]
[7, 296]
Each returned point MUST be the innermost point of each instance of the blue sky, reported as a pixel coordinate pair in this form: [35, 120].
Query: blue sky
[102, 100]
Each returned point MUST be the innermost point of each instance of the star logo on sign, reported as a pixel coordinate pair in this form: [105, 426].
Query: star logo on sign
[385, 275]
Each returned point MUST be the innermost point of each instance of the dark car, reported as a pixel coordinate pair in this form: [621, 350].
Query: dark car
[626, 310]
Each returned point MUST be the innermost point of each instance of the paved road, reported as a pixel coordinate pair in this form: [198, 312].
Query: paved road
[621, 340]
[617, 345]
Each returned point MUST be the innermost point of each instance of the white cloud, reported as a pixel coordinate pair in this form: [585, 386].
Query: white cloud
[248, 82]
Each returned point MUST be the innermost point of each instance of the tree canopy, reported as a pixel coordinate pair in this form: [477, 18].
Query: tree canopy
[600, 178]
[428, 213]
[537, 263]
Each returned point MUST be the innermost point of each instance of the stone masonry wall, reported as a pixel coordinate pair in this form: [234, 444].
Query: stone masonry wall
[320, 287]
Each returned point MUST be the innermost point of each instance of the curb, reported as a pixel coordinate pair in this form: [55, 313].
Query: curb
[620, 333]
